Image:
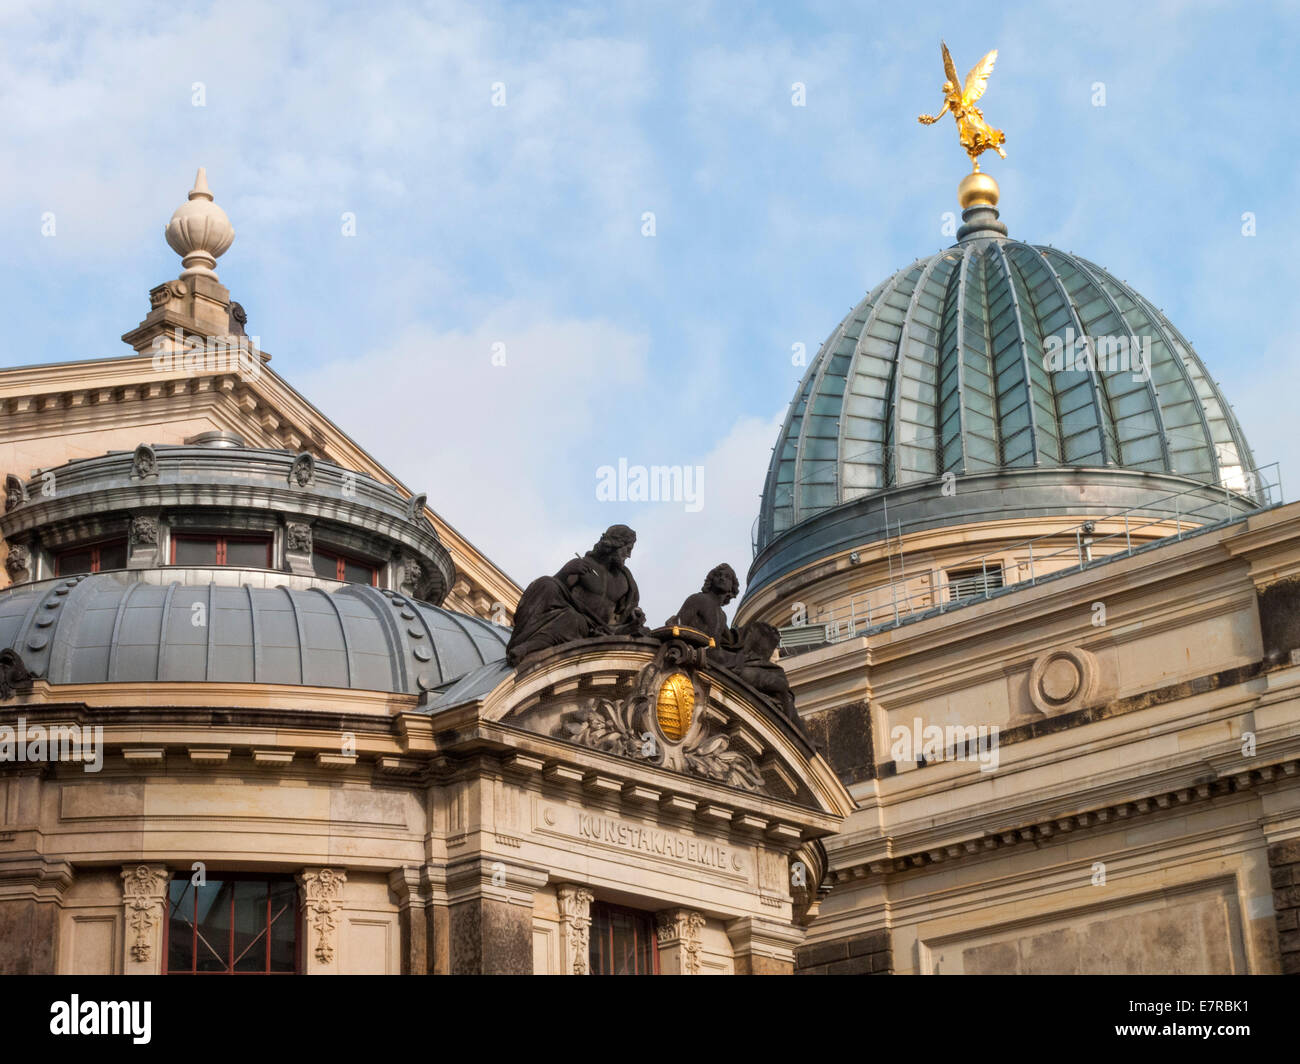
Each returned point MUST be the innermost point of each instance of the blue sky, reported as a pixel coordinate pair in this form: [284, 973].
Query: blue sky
[522, 225]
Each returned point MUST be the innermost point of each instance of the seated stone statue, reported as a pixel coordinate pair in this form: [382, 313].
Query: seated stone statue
[592, 595]
[747, 651]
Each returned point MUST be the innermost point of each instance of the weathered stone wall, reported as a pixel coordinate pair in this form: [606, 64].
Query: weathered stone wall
[867, 954]
[1284, 869]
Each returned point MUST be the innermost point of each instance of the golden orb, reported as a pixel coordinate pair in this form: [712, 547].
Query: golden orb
[977, 189]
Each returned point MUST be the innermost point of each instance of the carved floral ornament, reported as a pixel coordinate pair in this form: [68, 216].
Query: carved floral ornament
[321, 889]
[303, 471]
[681, 927]
[575, 921]
[165, 293]
[666, 721]
[143, 891]
[144, 463]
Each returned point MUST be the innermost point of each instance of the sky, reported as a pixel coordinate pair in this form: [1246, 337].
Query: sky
[506, 245]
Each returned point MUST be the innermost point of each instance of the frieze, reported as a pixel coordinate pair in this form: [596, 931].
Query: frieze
[646, 840]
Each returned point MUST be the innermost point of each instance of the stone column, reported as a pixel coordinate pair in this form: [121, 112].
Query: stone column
[404, 887]
[144, 897]
[763, 947]
[679, 941]
[575, 929]
[490, 916]
[321, 890]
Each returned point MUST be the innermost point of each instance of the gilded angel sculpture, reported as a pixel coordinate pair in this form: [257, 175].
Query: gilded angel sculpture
[976, 135]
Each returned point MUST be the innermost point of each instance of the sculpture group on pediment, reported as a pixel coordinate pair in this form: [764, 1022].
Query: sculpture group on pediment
[596, 595]
[747, 651]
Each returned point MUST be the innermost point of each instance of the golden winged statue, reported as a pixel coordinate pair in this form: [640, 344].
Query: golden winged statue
[976, 135]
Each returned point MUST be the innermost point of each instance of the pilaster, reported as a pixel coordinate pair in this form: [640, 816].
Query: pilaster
[144, 898]
[679, 941]
[321, 890]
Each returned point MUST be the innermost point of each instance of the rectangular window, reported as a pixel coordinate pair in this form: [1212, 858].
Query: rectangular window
[246, 552]
[622, 941]
[237, 925]
[94, 559]
[970, 583]
[334, 566]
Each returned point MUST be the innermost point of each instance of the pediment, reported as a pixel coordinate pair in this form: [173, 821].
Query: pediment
[658, 703]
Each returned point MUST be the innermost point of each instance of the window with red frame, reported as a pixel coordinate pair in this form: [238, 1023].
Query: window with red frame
[252, 552]
[623, 941]
[237, 925]
[92, 559]
[334, 566]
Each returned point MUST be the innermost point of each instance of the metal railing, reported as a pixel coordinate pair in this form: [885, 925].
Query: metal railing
[909, 595]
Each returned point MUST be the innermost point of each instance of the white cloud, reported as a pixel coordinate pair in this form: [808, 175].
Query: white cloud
[503, 451]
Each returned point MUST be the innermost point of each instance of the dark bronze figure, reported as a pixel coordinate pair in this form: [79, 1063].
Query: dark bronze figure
[746, 651]
[592, 595]
[703, 610]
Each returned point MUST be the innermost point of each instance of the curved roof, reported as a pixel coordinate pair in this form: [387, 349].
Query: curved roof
[117, 628]
[941, 369]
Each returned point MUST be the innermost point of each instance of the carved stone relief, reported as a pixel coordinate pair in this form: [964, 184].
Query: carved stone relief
[144, 892]
[679, 930]
[575, 928]
[321, 889]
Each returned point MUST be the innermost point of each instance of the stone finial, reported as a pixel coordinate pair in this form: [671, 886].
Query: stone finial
[199, 231]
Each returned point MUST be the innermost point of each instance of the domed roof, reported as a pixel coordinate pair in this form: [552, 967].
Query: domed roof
[941, 369]
[119, 627]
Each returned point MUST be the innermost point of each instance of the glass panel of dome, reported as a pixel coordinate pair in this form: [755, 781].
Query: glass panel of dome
[977, 400]
[819, 496]
[1018, 449]
[1135, 402]
[1016, 420]
[821, 428]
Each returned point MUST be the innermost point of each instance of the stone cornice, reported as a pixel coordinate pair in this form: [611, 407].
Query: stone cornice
[869, 861]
